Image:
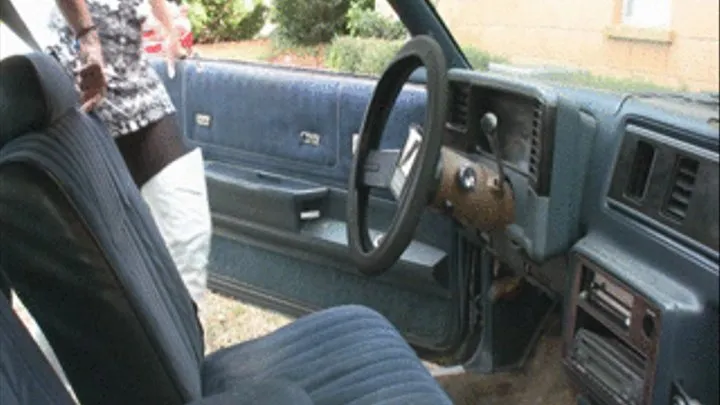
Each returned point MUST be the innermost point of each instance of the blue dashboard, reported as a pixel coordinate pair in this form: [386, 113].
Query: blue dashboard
[617, 211]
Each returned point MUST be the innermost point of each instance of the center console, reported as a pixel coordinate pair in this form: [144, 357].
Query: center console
[611, 342]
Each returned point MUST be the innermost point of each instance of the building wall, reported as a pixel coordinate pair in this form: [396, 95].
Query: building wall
[588, 34]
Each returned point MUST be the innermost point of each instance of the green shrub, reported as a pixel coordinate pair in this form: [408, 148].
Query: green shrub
[222, 20]
[198, 17]
[361, 55]
[254, 21]
[368, 23]
[310, 22]
[480, 60]
[364, 4]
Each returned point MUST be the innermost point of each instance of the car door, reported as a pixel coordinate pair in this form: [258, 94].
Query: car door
[277, 142]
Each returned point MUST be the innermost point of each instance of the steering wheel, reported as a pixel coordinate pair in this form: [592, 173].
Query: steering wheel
[375, 168]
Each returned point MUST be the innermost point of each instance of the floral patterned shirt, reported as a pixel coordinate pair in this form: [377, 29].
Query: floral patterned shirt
[136, 96]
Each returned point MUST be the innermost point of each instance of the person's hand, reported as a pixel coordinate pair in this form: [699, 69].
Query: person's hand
[91, 77]
[173, 50]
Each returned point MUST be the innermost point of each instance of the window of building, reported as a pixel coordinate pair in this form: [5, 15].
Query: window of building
[646, 13]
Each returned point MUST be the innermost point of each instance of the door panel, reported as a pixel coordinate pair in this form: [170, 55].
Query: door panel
[264, 114]
[260, 111]
[278, 150]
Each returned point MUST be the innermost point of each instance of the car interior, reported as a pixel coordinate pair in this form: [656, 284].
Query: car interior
[542, 244]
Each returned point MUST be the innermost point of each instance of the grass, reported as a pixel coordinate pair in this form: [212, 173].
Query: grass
[278, 47]
[587, 79]
[480, 60]
[228, 322]
[255, 50]
[264, 50]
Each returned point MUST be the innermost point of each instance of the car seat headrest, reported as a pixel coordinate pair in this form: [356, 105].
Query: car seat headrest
[35, 91]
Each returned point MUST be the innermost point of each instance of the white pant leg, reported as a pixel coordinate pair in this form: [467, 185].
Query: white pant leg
[39, 337]
[177, 197]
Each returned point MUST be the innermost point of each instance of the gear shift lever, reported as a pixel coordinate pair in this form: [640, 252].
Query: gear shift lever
[488, 125]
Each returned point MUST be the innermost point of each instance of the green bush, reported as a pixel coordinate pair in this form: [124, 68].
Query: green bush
[361, 55]
[364, 4]
[198, 18]
[310, 22]
[222, 20]
[254, 21]
[368, 23]
[480, 60]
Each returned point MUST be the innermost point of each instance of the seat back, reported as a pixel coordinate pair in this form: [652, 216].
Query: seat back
[25, 374]
[82, 252]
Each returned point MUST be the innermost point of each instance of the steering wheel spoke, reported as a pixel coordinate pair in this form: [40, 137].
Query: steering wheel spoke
[379, 168]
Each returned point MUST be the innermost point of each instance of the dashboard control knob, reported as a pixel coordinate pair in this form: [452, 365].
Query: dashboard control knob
[489, 123]
[466, 178]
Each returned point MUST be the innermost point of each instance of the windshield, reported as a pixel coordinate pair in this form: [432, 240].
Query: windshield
[614, 45]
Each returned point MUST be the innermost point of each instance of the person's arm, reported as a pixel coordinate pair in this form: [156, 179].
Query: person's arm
[162, 13]
[78, 17]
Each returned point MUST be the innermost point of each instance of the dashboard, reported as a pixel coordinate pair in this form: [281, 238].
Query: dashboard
[546, 144]
[527, 118]
[616, 211]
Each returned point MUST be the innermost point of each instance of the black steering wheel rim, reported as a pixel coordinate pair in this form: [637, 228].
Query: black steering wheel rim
[369, 258]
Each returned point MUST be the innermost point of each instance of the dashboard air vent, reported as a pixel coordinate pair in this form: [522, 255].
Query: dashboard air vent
[681, 190]
[459, 106]
[535, 145]
[637, 184]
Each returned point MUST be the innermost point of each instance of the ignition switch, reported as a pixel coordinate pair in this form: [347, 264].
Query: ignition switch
[466, 178]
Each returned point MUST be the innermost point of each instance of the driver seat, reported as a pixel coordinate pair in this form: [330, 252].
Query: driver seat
[80, 249]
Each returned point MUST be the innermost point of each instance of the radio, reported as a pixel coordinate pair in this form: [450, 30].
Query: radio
[610, 344]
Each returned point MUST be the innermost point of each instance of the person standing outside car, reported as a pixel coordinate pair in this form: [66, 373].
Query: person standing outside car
[131, 100]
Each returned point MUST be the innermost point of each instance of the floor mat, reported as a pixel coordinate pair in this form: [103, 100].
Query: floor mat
[317, 286]
[541, 382]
